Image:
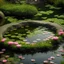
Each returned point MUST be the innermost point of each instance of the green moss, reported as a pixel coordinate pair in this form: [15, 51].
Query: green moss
[19, 10]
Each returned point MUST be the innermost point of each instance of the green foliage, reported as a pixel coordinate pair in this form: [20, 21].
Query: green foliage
[41, 13]
[19, 10]
[62, 62]
[2, 2]
[56, 2]
[9, 19]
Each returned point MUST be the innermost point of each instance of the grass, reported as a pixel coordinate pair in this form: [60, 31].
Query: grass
[39, 46]
[45, 45]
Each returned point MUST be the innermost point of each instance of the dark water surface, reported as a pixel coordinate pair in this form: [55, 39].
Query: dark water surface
[38, 56]
[41, 56]
[29, 35]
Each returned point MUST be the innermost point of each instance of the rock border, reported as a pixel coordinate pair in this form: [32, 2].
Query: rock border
[31, 47]
[51, 26]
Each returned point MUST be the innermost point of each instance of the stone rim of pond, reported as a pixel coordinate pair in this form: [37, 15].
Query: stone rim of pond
[38, 23]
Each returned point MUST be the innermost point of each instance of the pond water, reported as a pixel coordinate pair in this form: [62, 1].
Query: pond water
[39, 37]
[38, 56]
[28, 34]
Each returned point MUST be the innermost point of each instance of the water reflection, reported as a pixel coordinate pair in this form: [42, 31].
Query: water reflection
[38, 56]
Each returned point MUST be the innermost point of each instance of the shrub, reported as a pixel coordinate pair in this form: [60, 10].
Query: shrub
[17, 10]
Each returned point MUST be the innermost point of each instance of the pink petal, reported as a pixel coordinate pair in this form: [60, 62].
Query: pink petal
[55, 38]
[4, 61]
[3, 40]
[3, 50]
[10, 42]
[20, 57]
[18, 45]
[15, 43]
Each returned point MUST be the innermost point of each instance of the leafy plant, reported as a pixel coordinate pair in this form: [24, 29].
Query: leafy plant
[62, 62]
[19, 10]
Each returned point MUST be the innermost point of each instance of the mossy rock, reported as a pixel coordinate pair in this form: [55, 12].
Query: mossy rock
[2, 17]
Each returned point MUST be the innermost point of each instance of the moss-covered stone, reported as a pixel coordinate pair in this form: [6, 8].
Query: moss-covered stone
[2, 17]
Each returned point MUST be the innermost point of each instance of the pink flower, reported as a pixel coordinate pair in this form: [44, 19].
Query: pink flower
[49, 59]
[60, 33]
[15, 43]
[52, 57]
[55, 38]
[3, 40]
[10, 43]
[3, 50]
[18, 45]
[61, 50]
[20, 57]
[4, 61]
